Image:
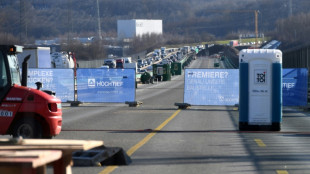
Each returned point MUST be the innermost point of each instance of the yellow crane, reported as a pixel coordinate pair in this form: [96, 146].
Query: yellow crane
[256, 27]
[256, 12]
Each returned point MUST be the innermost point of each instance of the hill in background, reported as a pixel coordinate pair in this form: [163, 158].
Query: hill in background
[43, 19]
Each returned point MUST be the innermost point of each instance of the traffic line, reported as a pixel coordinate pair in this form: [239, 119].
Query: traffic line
[108, 169]
[134, 148]
[282, 172]
[260, 143]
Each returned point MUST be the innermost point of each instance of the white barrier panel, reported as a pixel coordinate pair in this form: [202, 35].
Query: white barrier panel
[211, 86]
[60, 81]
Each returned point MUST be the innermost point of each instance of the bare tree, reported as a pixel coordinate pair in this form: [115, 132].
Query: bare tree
[8, 39]
[294, 30]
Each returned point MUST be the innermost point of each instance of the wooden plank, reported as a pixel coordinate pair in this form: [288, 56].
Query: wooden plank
[32, 158]
[57, 144]
[12, 141]
[61, 166]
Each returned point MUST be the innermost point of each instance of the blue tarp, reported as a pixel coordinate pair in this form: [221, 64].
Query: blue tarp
[106, 85]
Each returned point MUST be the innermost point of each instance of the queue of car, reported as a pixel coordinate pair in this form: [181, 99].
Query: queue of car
[164, 56]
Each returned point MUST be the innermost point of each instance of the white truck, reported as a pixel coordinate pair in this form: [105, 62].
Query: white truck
[186, 49]
[39, 57]
[110, 62]
[127, 59]
[62, 60]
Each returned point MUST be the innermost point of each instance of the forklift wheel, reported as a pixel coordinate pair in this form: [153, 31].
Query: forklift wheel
[27, 128]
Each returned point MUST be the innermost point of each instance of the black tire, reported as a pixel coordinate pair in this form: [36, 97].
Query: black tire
[27, 128]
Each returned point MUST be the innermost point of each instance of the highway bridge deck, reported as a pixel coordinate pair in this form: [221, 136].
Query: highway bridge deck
[160, 138]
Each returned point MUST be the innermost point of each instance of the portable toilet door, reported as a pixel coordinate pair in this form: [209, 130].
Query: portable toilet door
[260, 89]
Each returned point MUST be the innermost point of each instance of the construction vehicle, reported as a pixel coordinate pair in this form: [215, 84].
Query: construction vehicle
[24, 111]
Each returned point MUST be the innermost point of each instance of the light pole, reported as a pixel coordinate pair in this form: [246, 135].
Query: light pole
[98, 20]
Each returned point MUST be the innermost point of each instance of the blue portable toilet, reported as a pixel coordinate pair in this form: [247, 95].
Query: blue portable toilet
[260, 89]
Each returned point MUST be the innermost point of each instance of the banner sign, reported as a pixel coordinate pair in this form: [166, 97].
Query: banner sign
[60, 81]
[106, 85]
[295, 87]
[211, 86]
[221, 86]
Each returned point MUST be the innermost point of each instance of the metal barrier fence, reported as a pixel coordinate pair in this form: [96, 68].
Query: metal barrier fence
[92, 85]
[106, 85]
[295, 86]
[60, 81]
[221, 87]
[211, 86]
[201, 86]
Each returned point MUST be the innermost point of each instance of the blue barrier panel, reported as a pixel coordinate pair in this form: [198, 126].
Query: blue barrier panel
[106, 85]
[221, 87]
[59, 80]
[295, 87]
[211, 86]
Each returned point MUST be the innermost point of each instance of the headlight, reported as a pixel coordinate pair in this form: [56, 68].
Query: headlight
[58, 105]
[53, 107]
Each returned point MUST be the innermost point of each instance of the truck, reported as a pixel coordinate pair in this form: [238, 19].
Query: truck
[233, 43]
[185, 50]
[120, 63]
[62, 60]
[110, 62]
[24, 111]
[40, 57]
[127, 59]
[125, 62]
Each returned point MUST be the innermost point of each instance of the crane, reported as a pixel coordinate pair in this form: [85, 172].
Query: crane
[256, 12]
[256, 27]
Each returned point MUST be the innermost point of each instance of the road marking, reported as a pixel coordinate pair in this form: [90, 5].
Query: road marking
[282, 172]
[260, 143]
[134, 148]
[108, 169]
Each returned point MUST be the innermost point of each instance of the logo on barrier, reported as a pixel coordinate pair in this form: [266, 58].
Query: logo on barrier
[91, 82]
[260, 76]
[106, 85]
